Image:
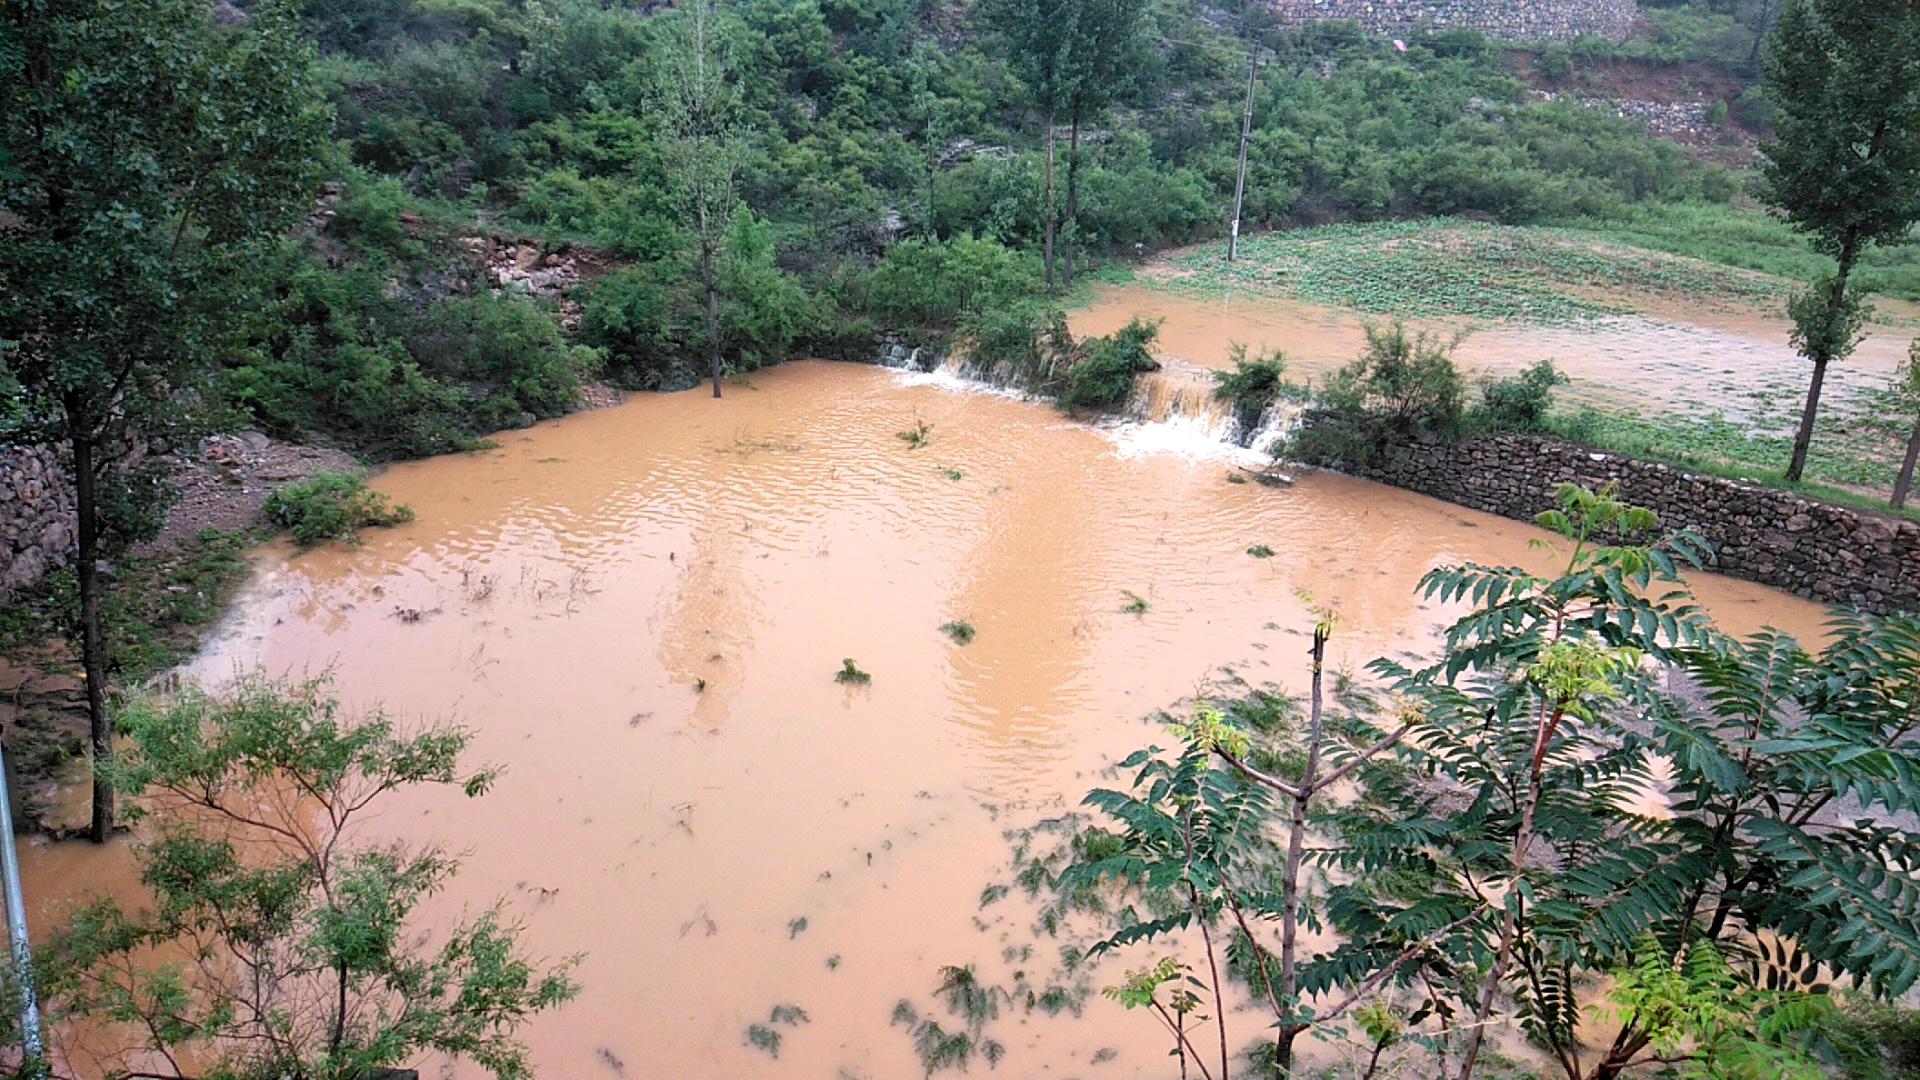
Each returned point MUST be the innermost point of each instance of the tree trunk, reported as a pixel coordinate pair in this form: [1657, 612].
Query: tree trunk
[1047, 210]
[713, 314]
[1803, 438]
[1905, 480]
[1073, 203]
[1296, 849]
[1836, 300]
[93, 646]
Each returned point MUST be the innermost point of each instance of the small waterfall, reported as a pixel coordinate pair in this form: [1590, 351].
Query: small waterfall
[1276, 421]
[1170, 410]
[900, 357]
[1179, 398]
[1181, 393]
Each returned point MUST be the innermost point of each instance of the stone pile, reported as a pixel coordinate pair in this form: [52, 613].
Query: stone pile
[528, 271]
[1507, 20]
[1816, 550]
[1661, 117]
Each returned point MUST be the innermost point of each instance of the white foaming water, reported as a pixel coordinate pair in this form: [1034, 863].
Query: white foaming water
[1170, 411]
[956, 382]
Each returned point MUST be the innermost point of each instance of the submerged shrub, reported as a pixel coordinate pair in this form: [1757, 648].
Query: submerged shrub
[1404, 386]
[1252, 385]
[1103, 379]
[916, 436]
[1517, 402]
[332, 506]
[850, 674]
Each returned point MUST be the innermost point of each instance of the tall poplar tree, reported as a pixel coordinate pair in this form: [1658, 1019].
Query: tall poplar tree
[1844, 166]
[151, 152]
[705, 146]
[1041, 37]
[1106, 41]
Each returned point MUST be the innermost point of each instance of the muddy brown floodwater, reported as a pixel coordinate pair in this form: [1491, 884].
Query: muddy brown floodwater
[1691, 357]
[568, 593]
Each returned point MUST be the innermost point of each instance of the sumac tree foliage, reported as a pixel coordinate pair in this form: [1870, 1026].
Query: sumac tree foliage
[1590, 781]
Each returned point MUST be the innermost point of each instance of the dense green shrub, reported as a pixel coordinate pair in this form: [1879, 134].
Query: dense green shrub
[936, 283]
[332, 506]
[1518, 402]
[764, 310]
[510, 357]
[1103, 378]
[1025, 344]
[628, 313]
[1554, 63]
[352, 357]
[1403, 387]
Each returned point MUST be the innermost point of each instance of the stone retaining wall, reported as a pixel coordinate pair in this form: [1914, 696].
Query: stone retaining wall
[1508, 20]
[1816, 550]
[37, 519]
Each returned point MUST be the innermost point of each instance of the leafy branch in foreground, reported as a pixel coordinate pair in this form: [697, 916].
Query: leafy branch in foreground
[1497, 839]
[282, 949]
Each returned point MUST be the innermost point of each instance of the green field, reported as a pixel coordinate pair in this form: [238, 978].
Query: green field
[1442, 268]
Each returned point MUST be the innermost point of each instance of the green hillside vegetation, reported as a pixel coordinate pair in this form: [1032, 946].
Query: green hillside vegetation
[894, 173]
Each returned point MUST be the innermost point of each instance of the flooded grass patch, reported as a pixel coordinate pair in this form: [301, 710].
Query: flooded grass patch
[1433, 269]
[153, 608]
[1851, 461]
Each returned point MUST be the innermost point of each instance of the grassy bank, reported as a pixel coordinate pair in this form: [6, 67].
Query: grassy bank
[1752, 239]
[1451, 268]
[1716, 446]
[154, 609]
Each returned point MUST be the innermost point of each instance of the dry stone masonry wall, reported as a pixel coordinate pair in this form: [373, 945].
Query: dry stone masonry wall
[37, 519]
[1816, 550]
[1509, 20]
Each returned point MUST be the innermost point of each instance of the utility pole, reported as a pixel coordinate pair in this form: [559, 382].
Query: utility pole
[1246, 134]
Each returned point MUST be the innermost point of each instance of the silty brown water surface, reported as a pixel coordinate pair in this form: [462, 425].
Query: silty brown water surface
[566, 593]
[1694, 357]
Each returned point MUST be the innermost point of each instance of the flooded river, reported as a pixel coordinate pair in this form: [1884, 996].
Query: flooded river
[1696, 358]
[639, 611]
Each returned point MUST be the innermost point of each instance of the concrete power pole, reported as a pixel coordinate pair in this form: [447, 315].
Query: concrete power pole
[1246, 134]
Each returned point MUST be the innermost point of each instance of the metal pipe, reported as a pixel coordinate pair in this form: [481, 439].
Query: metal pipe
[17, 926]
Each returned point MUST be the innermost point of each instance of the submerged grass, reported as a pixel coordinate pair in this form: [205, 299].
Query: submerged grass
[960, 630]
[1753, 239]
[153, 608]
[1437, 268]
